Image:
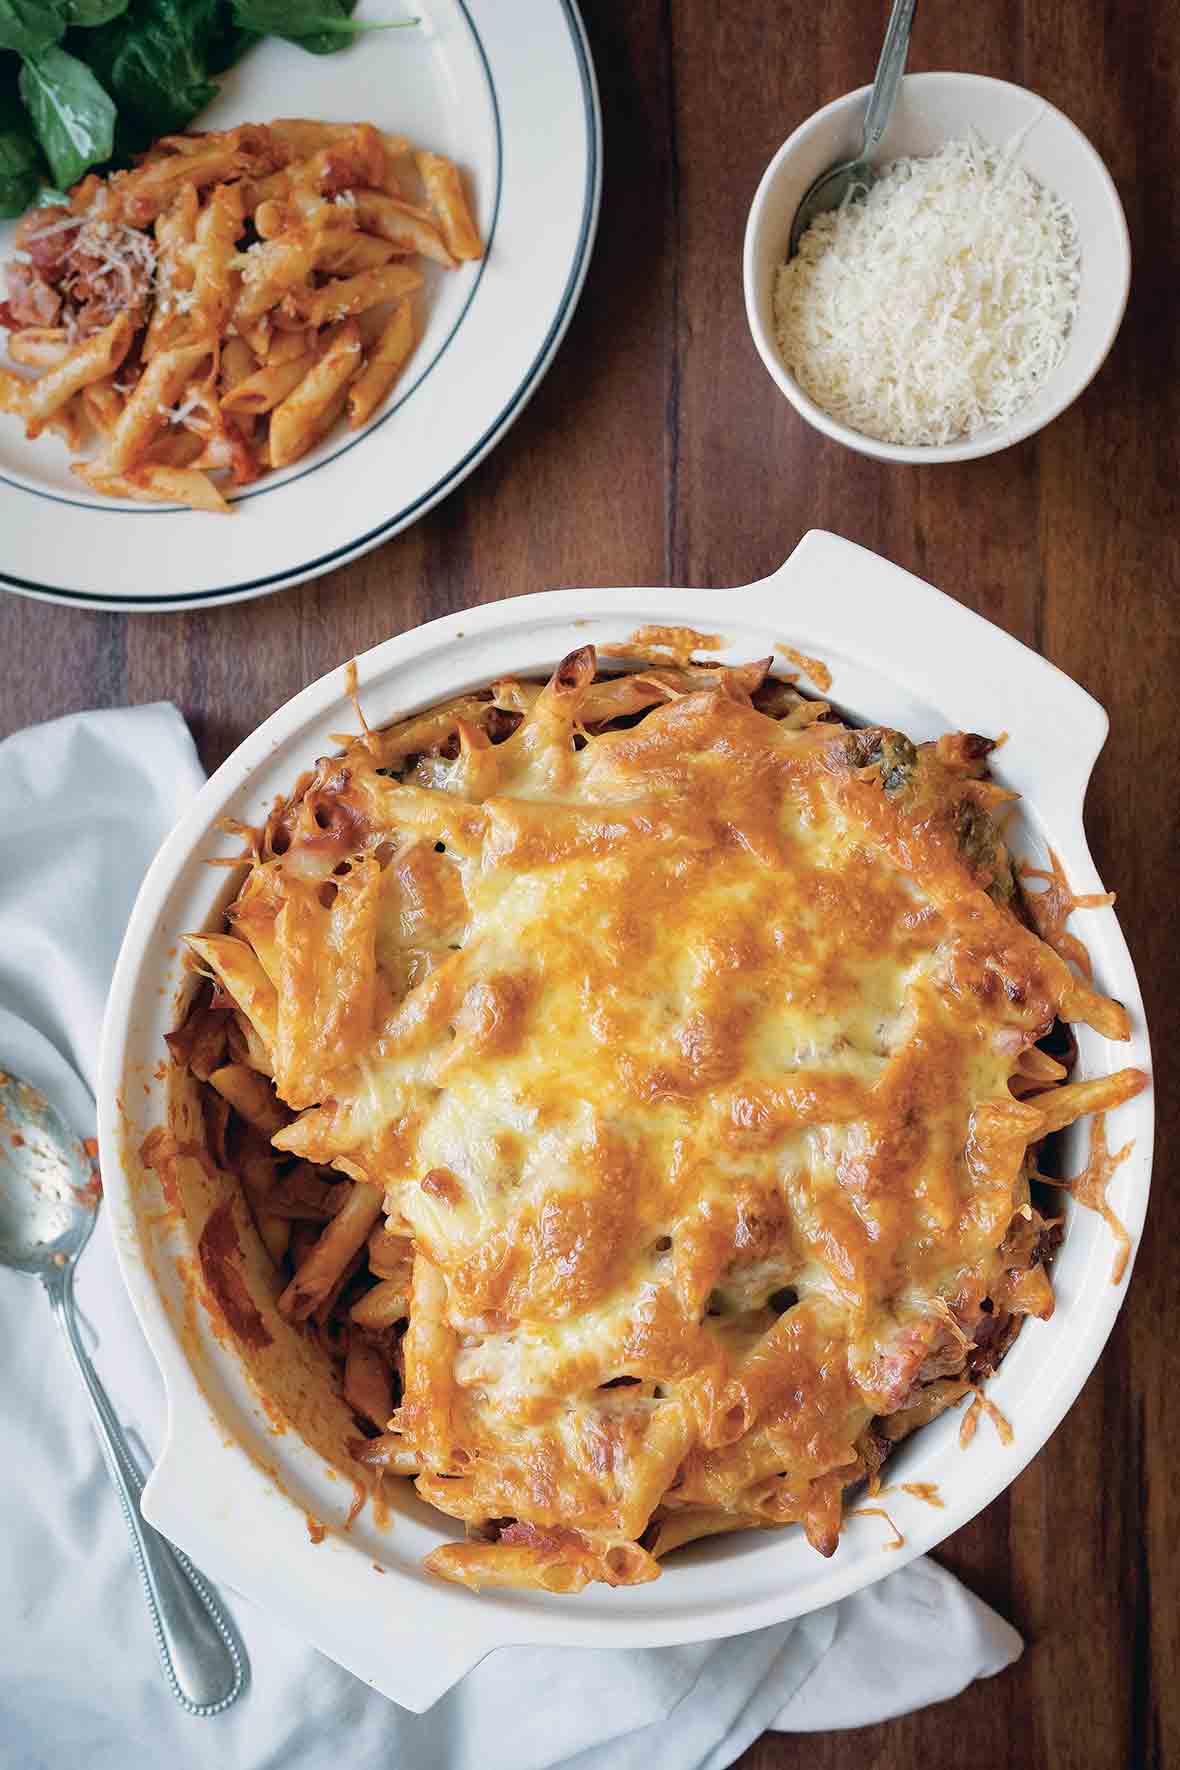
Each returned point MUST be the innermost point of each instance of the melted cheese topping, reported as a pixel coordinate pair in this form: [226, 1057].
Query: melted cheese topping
[683, 1054]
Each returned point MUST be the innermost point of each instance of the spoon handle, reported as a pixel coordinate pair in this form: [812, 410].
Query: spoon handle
[890, 69]
[203, 1661]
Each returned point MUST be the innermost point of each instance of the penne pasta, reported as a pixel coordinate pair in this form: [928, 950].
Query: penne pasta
[387, 1303]
[407, 228]
[275, 187]
[256, 1166]
[213, 251]
[246, 1046]
[39, 347]
[146, 411]
[356, 252]
[357, 156]
[344, 1236]
[352, 295]
[271, 218]
[382, 366]
[1061, 1106]
[236, 364]
[444, 187]
[95, 359]
[295, 343]
[175, 230]
[689, 1524]
[307, 135]
[327, 418]
[556, 1560]
[390, 1453]
[202, 1043]
[271, 270]
[267, 387]
[297, 419]
[368, 1388]
[391, 1255]
[236, 966]
[197, 162]
[102, 404]
[429, 1347]
[69, 422]
[176, 448]
[251, 1096]
[155, 483]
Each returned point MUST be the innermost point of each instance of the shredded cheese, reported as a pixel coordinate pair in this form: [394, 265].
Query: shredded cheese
[936, 307]
[118, 250]
[57, 227]
[182, 414]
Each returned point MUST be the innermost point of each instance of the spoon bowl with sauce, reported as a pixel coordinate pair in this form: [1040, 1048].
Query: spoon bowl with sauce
[49, 1199]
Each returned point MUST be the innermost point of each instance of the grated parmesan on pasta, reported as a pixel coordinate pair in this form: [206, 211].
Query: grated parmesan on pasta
[116, 249]
[937, 306]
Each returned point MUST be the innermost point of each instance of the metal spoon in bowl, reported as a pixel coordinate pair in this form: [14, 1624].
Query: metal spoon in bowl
[48, 1207]
[832, 187]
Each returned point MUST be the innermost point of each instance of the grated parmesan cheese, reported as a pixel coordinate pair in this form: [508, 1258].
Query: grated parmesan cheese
[124, 253]
[183, 413]
[58, 227]
[937, 306]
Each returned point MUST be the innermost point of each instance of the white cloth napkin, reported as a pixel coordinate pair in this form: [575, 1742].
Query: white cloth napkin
[84, 803]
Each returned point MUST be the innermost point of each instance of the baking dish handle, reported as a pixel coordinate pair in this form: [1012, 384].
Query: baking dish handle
[860, 611]
[415, 1657]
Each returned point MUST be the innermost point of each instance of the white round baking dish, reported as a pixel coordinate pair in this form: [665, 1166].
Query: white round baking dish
[233, 1491]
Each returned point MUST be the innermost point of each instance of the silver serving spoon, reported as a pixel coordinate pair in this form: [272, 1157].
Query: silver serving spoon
[48, 1207]
[833, 186]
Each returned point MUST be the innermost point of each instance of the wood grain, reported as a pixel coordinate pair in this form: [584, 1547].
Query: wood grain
[658, 450]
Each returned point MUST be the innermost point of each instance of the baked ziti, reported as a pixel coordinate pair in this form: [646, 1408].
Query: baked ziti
[637, 1083]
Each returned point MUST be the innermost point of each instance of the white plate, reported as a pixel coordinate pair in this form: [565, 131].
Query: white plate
[899, 652]
[506, 90]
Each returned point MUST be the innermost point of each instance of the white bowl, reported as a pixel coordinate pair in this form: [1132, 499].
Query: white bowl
[931, 110]
[233, 1492]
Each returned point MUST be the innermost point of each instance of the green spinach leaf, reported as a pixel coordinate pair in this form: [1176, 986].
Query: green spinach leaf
[12, 111]
[20, 171]
[130, 71]
[72, 116]
[29, 26]
[94, 12]
[321, 26]
[154, 60]
[229, 42]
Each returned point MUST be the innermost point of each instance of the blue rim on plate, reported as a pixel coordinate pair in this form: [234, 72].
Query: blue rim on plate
[401, 518]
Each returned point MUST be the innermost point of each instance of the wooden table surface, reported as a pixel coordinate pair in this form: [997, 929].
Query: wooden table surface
[659, 451]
